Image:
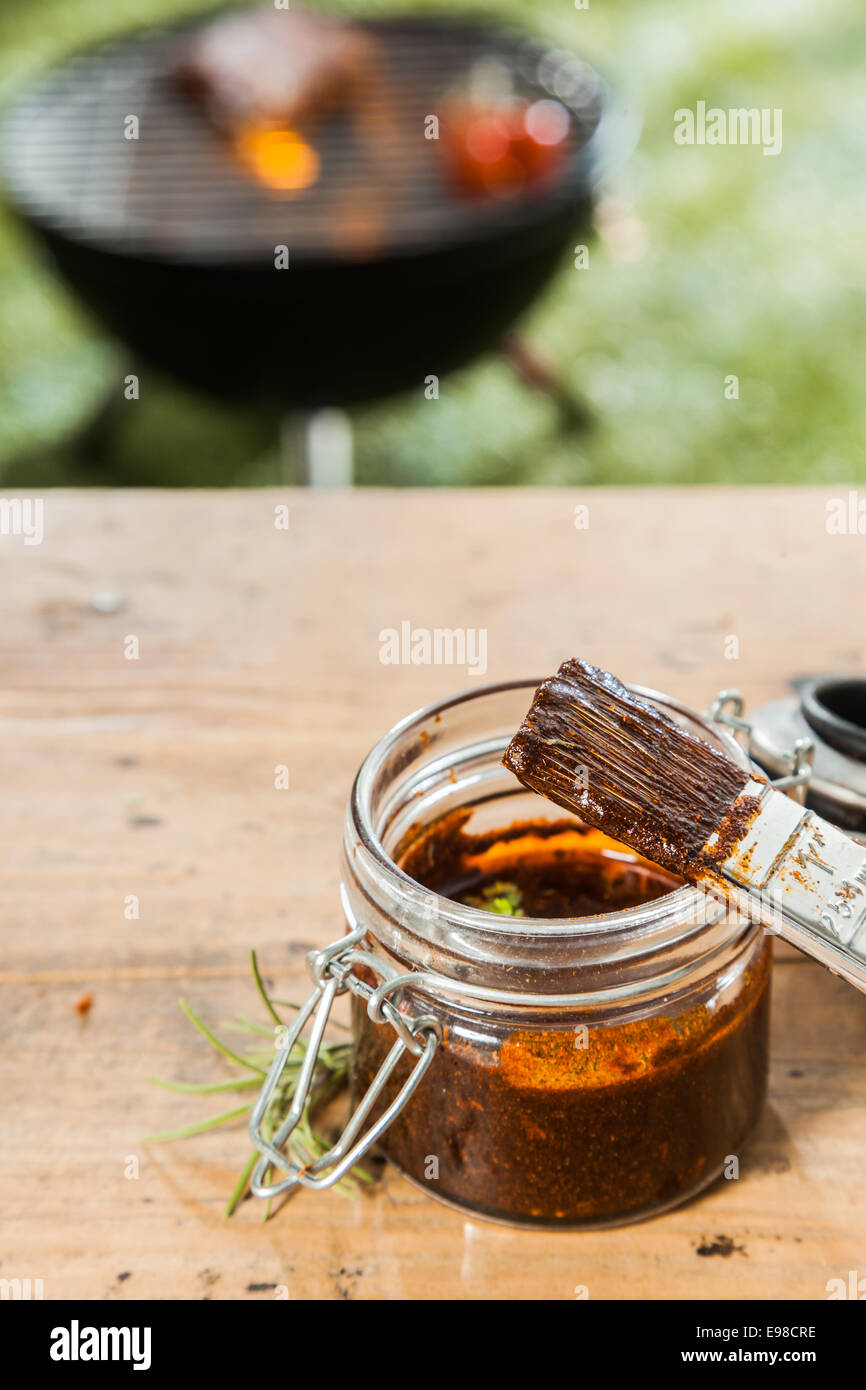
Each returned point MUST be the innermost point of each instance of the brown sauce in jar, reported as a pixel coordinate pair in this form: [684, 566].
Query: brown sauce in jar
[555, 1124]
[555, 868]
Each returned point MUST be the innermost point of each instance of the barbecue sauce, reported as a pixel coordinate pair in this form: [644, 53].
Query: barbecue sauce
[556, 868]
[549, 1122]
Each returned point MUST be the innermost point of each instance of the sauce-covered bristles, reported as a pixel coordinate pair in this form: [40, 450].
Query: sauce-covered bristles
[618, 762]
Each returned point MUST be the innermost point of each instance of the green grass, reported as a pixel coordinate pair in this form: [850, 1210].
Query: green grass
[712, 261]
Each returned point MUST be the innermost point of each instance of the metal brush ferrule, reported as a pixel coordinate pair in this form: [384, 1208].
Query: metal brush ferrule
[804, 879]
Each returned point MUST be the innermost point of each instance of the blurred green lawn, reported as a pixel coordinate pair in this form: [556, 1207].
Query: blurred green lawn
[710, 261]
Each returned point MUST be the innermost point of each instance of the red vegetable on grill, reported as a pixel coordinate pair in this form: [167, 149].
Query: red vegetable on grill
[503, 147]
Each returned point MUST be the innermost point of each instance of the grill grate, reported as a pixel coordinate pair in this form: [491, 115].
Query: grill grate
[178, 193]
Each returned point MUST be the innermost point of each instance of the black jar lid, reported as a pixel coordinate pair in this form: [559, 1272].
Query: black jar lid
[831, 711]
[835, 707]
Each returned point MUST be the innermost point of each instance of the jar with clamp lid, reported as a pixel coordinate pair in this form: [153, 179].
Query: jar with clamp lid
[548, 1031]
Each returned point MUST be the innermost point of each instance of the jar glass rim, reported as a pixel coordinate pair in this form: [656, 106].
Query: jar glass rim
[678, 909]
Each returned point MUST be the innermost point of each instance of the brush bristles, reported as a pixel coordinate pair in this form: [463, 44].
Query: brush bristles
[616, 761]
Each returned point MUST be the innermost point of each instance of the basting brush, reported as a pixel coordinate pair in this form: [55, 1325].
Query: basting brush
[594, 747]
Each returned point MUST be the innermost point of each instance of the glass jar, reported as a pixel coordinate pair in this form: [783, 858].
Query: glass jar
[552, 1072]
[640, 1079]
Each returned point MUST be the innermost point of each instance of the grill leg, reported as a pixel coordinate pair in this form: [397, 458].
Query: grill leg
[318, 450]
[536, 371]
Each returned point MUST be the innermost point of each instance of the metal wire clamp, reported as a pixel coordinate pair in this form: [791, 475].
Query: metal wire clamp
[333, 973]
[727, 709]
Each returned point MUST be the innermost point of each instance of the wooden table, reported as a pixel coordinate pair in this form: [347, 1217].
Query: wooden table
[155, 778]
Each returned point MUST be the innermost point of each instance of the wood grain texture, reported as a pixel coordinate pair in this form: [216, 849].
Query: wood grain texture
[155, 777]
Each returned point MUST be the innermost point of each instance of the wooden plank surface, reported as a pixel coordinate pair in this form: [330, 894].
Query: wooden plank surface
[155, 777]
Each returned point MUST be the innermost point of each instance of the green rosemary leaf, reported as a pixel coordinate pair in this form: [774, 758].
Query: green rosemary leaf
[241, 1184]
[204, 1088]
[242, 1024]
[216, 1042]
[361, 1175]
[199, 1127]
[336, 1059]
[263, 993]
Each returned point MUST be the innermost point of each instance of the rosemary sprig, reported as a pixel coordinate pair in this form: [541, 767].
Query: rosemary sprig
[331, 1077]
[215, 1041]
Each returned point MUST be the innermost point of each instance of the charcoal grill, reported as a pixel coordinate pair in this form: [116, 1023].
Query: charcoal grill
[171, 242]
